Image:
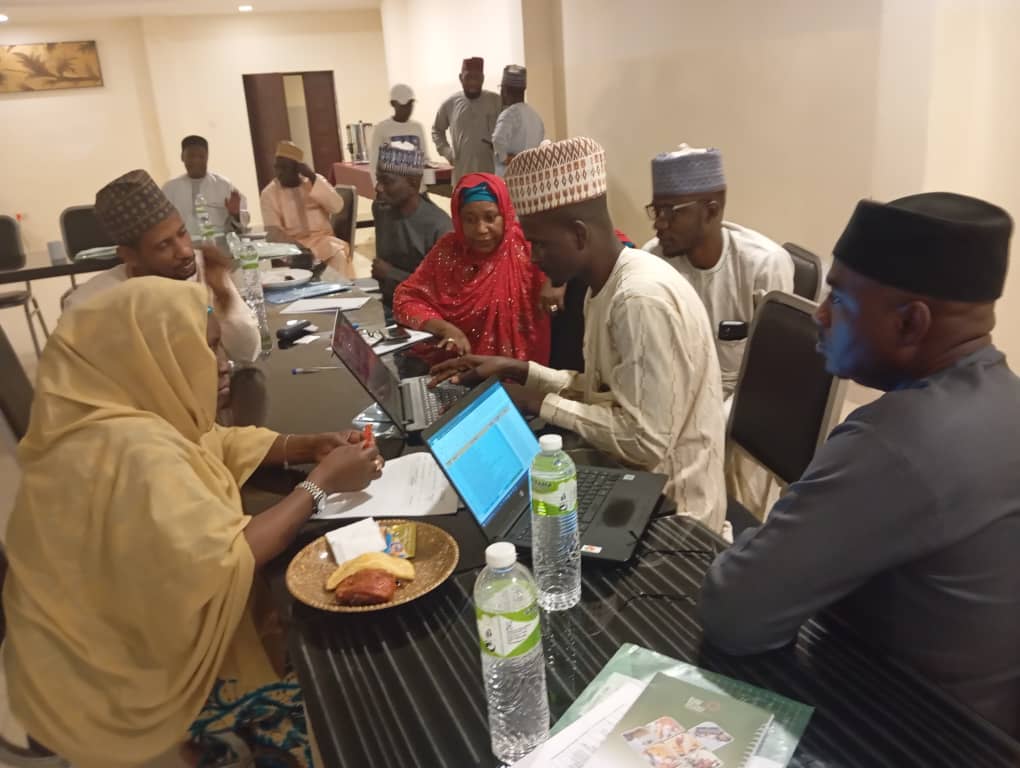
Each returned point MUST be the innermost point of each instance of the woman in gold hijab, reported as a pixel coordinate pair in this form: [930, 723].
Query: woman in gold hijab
[131, 560]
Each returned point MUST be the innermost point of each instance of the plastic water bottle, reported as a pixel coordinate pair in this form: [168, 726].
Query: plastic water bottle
[252, 292]
[206, 229]
[555, 546]
[513, 666]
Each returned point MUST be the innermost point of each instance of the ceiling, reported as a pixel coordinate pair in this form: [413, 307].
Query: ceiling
[63, 10]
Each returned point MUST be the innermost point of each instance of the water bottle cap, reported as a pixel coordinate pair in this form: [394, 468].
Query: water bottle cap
[550, 443]
[502, 554]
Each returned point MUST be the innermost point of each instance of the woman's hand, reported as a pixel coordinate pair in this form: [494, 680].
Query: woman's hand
[325, 443]
[349, 467]
[551, 298]
[451, 338]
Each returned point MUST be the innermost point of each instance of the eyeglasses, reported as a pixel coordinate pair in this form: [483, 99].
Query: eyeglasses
[656, 212]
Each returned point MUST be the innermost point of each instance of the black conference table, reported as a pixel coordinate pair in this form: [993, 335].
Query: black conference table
[403, 686]
[38, 266]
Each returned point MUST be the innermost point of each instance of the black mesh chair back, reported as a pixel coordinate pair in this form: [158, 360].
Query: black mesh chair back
[15, 389]
[785, 402]
[345, 222]
[807, 271]
[12, 252]
[81, 230]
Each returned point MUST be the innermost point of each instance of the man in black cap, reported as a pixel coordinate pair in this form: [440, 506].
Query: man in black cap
[907, 521]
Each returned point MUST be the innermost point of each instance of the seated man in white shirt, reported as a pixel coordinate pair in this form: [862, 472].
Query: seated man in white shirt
[651, 393]
[152, 240]
[730, 266]
[228, 209]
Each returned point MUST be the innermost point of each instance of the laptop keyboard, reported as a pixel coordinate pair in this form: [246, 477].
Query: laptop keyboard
[438, 400]
[593, 486]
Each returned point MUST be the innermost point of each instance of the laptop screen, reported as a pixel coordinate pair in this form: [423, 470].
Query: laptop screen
[356, 353]
[486, 449]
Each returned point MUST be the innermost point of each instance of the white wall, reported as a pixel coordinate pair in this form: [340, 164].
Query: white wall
[427, 40]
[59, 147]
[785, 88]
[197, 63]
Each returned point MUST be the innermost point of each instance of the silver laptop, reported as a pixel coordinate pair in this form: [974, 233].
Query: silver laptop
[409, 403]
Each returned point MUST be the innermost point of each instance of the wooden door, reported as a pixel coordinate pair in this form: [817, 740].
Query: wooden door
[323, 124]
[267, 119]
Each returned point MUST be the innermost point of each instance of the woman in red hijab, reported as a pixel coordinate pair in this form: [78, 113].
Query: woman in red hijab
[477, 289]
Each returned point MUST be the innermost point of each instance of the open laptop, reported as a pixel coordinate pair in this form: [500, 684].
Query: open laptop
[409, 403]
[485, 447]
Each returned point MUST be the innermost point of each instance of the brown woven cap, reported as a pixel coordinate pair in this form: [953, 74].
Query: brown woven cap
[131, 205]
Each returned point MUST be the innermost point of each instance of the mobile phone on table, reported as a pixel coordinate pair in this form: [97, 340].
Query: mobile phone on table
[396, 333]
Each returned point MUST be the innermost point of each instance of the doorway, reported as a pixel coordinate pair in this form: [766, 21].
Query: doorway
[299, 106]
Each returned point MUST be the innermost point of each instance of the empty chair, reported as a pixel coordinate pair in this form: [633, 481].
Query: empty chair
[15, 389]
[12, 256]
[81, 230]
[807, 271]
[785, 403]
[345, 222]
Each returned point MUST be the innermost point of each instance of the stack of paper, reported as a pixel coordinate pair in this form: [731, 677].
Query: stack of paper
[307, 306]
[411, 486]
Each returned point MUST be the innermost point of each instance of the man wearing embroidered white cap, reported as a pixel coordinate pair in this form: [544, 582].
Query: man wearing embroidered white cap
[400, 127]
[730, 266]
[651, 393]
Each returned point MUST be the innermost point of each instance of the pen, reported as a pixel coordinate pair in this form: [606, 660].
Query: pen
[316, 369]
[366, 434]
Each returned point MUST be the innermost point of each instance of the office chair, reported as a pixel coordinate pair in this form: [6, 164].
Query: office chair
[785, 403]
[807, 272]
[12, 256]
[345, 222]
[81, 230]
[15, 389]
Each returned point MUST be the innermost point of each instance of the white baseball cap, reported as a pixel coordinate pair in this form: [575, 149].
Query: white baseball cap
[401, 93]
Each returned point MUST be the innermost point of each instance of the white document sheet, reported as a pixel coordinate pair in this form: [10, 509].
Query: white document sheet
[305, 306]
[411, 486]
[571, 747]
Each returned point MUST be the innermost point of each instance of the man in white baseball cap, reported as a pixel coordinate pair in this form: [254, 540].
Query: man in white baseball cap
[400, 127]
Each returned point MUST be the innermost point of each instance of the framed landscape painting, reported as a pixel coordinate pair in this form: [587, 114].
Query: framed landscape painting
[49, 66]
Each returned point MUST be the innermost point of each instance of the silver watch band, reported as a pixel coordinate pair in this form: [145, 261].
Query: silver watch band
[318, 495]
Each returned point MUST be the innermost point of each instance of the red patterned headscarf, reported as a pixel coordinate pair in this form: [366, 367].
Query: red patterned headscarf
[493, 298]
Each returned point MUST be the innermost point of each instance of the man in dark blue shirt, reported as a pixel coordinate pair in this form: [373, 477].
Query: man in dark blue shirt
[907, 521]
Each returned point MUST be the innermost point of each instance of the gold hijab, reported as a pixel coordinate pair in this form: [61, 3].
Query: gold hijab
[129, 571]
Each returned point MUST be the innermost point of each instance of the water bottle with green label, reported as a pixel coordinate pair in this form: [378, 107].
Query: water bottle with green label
[206, 229]
[513, 667]
[555, 546]
[251, 290]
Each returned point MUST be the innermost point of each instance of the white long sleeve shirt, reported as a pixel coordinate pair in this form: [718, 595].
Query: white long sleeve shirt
[518, 127]
[239, 330]
[651, 393]
[216, 190]
[751, 265]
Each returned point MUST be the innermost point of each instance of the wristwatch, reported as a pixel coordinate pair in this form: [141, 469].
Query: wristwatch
[318, 495]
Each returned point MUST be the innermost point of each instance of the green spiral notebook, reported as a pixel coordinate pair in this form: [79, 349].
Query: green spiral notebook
[675, 724]
[632, 663]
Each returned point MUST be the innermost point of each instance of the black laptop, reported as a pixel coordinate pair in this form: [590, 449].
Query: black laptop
[409, 403]
[485, 447]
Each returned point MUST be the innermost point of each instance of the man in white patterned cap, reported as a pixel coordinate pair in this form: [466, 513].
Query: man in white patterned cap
[730, 266]
[407, 223]
[651, 393]
[519, 126]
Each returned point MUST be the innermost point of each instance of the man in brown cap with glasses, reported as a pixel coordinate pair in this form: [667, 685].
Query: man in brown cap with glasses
[152, 239]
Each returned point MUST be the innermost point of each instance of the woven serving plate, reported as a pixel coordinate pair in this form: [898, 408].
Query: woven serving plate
[436, 555]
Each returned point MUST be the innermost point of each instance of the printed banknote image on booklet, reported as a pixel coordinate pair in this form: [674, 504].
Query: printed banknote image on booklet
[674, 724]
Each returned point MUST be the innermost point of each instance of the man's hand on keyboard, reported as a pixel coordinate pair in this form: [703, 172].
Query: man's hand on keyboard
[528, 401]
[474, 369]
